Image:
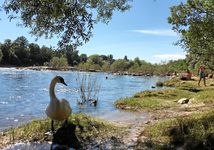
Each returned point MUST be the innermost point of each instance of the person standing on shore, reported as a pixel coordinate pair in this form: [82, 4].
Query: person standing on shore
[201, 73]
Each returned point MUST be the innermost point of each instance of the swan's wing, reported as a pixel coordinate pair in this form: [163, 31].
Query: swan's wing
[65, 102]
[65, 105]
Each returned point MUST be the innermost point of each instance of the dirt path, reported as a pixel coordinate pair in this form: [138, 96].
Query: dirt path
[133, 121]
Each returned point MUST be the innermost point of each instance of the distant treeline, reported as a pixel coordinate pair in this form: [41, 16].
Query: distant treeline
[22, 53]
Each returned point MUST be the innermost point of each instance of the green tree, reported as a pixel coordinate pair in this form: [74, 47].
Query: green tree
[8, 51]
[137, 61]
[72, 20]
[104, 57]
[95, 59]
[72, 55]
[126, 58]
[83, 58]
[106, 66]
[194, 21]
[110, 58]
[58, 63]
[35, 55]
[119, 65]
[177, 65]
[46, 54]
[147, 67]
[1, 55]
[20, 46]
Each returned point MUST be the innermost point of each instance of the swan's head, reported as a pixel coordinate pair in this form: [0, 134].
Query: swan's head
[60, 79]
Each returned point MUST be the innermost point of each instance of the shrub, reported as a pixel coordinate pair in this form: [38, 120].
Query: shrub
[159, 84]
[57, 62]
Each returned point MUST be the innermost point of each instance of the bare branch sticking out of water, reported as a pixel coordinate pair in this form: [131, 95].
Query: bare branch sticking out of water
[89, 88]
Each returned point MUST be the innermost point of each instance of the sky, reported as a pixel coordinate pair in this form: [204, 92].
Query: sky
[142, 31]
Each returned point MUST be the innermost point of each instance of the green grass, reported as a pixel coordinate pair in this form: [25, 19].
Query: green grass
[35, 130]
[192, 132]
[138, 104]
[162, 99]
[153, 100]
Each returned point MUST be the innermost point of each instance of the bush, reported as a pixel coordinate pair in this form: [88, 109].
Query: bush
[159, 84]
[57, 62]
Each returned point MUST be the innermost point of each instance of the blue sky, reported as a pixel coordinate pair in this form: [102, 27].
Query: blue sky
[142, 32]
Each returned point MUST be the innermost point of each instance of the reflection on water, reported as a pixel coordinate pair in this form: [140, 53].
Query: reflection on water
[24, 93]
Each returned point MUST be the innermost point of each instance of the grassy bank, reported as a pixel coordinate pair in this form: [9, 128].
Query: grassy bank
[173, 125]
[190, 132]
[88, 131]
[168, 98]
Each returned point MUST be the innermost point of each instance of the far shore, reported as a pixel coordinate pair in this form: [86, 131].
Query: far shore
[69, 68]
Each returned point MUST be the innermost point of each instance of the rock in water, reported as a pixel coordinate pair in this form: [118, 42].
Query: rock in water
[65, 138]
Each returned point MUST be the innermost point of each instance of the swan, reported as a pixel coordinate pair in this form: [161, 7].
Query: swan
[58, 110]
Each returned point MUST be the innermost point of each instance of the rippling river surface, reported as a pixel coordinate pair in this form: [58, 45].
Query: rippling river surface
[24, 94]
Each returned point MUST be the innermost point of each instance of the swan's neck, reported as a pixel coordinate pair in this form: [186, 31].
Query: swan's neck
[51, 90]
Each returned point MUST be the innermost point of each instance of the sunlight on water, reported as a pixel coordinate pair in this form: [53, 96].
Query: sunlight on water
[24, 94]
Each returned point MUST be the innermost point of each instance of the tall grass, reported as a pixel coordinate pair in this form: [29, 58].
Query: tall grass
[196, 131]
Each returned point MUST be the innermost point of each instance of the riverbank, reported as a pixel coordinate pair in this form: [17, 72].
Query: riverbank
[179, 117]
[90, 132]
[69, 68]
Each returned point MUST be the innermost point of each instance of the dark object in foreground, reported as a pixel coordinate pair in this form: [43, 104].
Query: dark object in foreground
[65, 138]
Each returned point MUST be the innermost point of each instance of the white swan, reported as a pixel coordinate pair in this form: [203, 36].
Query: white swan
[58, 110]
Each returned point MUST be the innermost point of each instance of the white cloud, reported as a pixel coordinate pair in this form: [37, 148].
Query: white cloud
[161, 32]
[167, 57]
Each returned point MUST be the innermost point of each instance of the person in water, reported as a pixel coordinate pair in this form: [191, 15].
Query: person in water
[201, 73]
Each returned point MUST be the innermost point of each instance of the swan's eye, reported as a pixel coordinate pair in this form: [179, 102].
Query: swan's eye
[61, 80]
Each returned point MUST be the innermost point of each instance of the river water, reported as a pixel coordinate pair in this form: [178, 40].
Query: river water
[24, 94]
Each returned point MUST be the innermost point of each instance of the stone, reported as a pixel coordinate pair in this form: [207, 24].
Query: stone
[211, 84]
[183, 101]
[210, 76]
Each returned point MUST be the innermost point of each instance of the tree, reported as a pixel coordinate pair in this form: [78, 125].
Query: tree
[104, 57]
[110, 58]
[8, 52]
[177, 65]
[137, 61]
[72, 55]
[58, 63]
[20, 46]
[46, 54]
[83, 58]
[71, 20]
[95, 59]
[1, 55]
[126, 58]
[147, 67]
[119, 65]
[106, 66]
[194, 21]
[35, 54]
